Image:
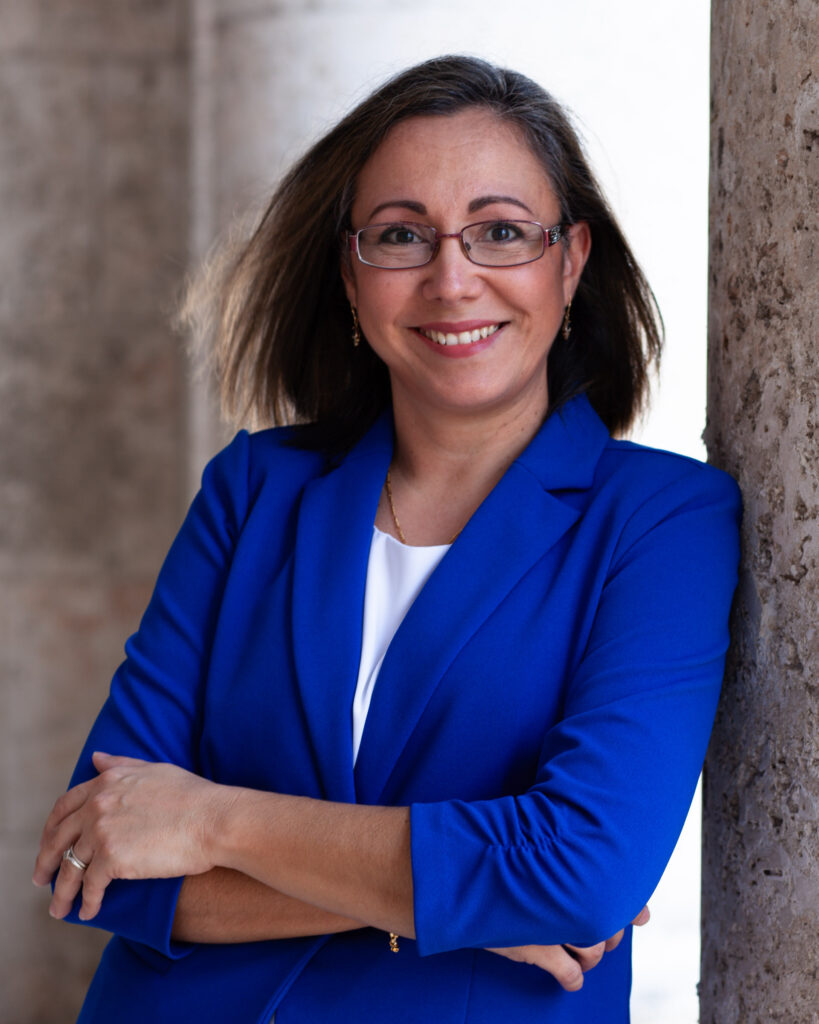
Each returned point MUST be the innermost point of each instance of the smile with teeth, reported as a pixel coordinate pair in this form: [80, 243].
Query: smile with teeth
[462, 338]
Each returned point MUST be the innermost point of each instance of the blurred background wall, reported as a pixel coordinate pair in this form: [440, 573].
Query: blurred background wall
[131, 133]
[94, 199]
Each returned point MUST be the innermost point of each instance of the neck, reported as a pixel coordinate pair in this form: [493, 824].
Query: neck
[431, 446]
[445, 465]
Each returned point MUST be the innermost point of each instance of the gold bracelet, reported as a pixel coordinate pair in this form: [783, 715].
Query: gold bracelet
[393, 942]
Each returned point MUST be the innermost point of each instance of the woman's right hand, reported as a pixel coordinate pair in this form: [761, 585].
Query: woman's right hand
[567, 964]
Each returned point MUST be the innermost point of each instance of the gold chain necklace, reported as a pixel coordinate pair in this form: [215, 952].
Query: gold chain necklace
[398, 529]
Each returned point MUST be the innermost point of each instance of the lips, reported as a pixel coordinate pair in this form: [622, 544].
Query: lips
[465, 336]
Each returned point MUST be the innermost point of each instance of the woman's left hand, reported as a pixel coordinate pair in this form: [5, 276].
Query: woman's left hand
[135, 820]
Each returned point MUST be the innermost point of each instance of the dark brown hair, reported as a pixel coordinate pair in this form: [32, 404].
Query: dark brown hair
[284, 350]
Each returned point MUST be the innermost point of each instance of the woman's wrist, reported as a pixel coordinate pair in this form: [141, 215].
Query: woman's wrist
[236, 820]
[220, 825]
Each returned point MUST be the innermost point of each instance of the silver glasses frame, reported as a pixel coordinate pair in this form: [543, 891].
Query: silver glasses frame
[550, 236]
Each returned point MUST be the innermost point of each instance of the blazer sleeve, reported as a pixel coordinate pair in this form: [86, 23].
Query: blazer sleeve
[575, 857]
[154, 708]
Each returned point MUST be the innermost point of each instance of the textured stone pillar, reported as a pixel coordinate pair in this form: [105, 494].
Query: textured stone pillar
[93, 191]
[760, 959]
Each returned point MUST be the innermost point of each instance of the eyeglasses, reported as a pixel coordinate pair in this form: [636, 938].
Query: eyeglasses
[402, 245]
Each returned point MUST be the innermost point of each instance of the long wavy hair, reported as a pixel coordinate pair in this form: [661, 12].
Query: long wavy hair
[282, 338]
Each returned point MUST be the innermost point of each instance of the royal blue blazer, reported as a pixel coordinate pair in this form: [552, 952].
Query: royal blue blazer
[544, 710]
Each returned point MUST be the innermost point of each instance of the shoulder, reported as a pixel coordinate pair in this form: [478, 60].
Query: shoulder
[643, 488]
[641, 472]
[278, 452]
[264, 453]
[259, 467]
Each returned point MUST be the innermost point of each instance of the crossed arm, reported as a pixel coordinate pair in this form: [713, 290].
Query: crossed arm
[257, 865]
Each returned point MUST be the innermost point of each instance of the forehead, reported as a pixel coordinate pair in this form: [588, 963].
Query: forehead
[446, 162]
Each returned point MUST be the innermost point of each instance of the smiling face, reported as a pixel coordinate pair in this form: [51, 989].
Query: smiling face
[457, 337]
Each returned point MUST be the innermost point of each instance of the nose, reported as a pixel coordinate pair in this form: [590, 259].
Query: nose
[450, 276]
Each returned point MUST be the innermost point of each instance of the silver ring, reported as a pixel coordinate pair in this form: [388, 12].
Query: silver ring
[74, 860]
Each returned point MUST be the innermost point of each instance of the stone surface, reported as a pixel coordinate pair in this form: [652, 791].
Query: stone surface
[55, 682]
[760, 959]
[94, 191]
[47, 135]
[92, 479]
[125, 28]
[96, 157]
[142, 191]
[19, 22]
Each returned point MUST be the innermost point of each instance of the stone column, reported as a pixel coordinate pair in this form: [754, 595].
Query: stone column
[93, 189]
[760, 960]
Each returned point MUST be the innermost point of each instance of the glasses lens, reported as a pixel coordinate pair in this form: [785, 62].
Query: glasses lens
[503, 243]
[400, 244]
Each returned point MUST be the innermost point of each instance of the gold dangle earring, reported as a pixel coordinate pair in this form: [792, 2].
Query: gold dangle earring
[567, 322]
[356, 330]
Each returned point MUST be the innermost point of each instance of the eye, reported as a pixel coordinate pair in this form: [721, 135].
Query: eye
[499, 231]
[399, 234]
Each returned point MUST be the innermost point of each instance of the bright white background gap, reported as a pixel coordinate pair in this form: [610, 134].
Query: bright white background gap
[635, 75]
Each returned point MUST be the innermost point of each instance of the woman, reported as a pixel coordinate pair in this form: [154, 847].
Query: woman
[314, 769]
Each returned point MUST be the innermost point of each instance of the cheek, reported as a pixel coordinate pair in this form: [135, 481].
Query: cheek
[384, 299]
[547, 291]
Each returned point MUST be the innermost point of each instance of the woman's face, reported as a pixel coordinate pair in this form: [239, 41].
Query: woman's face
[448, 172]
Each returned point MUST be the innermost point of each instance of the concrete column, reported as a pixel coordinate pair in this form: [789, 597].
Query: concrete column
[760, 960]
[93, 189]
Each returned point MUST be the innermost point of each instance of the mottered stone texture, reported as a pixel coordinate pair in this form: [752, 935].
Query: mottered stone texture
[760, 956]
[94, 192]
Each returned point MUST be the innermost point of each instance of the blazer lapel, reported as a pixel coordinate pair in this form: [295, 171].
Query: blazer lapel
[518, 522]
[334, 533]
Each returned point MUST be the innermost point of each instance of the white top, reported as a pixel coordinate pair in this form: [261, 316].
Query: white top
[396, 573]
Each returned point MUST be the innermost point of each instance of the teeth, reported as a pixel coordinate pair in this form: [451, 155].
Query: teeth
[464, 338]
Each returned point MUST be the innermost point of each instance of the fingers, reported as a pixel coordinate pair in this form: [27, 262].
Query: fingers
[562, 966]
[553, 959]
[93, 880]
[75, 820]
[102, 761]
[56, 838]
[587, 957]
[643, 917]
[94, 885]
[67, 885]
[567, 963]
[59, 832]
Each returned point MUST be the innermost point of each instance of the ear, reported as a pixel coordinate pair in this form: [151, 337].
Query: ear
[575, 255]
[348, 278]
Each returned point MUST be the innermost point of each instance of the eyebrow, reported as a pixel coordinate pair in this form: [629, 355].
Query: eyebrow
[474, 206]
[479, 204]
[406, 204]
